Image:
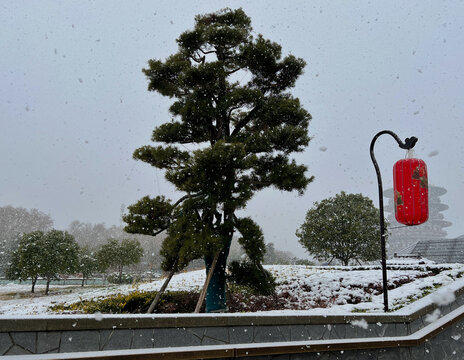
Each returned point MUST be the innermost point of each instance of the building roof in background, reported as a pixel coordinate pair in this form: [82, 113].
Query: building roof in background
[440, 251]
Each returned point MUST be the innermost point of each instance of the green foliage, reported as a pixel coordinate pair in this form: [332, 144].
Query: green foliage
[13, 270]
[304, 262]
[148, 216]
[135, 302]
[243, 131]
[107, 254]
[253, 276]
[356, 311]
[424, 291]
[344, 227]
[252, 239]
[60, 254]
[44, 254]
[189, 237]
[26, 260]
[115, 254]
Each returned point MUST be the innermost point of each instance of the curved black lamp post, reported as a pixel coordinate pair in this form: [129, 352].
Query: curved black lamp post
[407, 144]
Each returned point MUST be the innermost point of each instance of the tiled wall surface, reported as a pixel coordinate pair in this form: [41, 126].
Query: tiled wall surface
[65, 336]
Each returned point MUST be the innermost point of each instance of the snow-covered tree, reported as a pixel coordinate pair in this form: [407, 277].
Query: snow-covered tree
[60, 255]
[88, 263]
[44, 255]
[344, 227]
[26, 259]
[115, 254]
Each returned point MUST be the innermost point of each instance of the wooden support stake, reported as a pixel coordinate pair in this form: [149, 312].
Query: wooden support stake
[161, 291]
[205, 286]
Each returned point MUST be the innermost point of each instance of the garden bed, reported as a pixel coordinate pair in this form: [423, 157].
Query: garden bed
[299, 288]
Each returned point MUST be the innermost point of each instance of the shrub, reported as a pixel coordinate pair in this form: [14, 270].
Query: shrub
[126, 278]
[304, 262]
[135, 302]
[250, 275]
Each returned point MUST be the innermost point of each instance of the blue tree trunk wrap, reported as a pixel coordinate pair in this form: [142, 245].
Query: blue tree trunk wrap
[216, 291]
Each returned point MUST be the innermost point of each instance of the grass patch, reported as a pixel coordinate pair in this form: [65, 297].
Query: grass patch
[359, 310]
[427, 290]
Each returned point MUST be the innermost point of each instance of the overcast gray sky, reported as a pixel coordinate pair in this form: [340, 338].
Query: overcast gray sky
[74, 104]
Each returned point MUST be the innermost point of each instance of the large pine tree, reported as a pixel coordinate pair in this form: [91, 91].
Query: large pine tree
[231, 101]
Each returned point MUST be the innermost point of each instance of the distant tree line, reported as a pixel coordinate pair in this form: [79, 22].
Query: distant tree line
[30, 249]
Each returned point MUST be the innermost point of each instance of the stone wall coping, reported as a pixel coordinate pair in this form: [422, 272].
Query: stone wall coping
[141, 321]
[83, 322]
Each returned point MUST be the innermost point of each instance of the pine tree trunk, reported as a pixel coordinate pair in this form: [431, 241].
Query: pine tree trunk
[48, 286]
[83, 279]
[207, 281]
[161, 291]
[34, 280]
[120, 274]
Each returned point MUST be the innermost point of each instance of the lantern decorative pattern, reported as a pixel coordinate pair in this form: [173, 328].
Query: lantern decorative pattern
[411, 191]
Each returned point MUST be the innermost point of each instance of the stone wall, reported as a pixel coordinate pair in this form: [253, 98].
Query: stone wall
[71, 333]
[447, 345]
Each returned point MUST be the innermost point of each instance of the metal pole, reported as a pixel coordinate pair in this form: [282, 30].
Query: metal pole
[408, 144]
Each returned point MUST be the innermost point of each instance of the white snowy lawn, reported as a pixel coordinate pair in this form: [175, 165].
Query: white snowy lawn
[308, 289]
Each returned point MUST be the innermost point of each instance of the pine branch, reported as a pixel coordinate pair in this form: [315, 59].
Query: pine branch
[181, 200]
[160, 231]
[242, 123]
[207, 52]
[177, 203]
[233, 71]
[231, 110]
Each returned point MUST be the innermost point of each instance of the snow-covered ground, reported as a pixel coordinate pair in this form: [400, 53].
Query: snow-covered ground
[306, 289]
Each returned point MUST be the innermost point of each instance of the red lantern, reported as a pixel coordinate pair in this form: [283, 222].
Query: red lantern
[411, 191]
